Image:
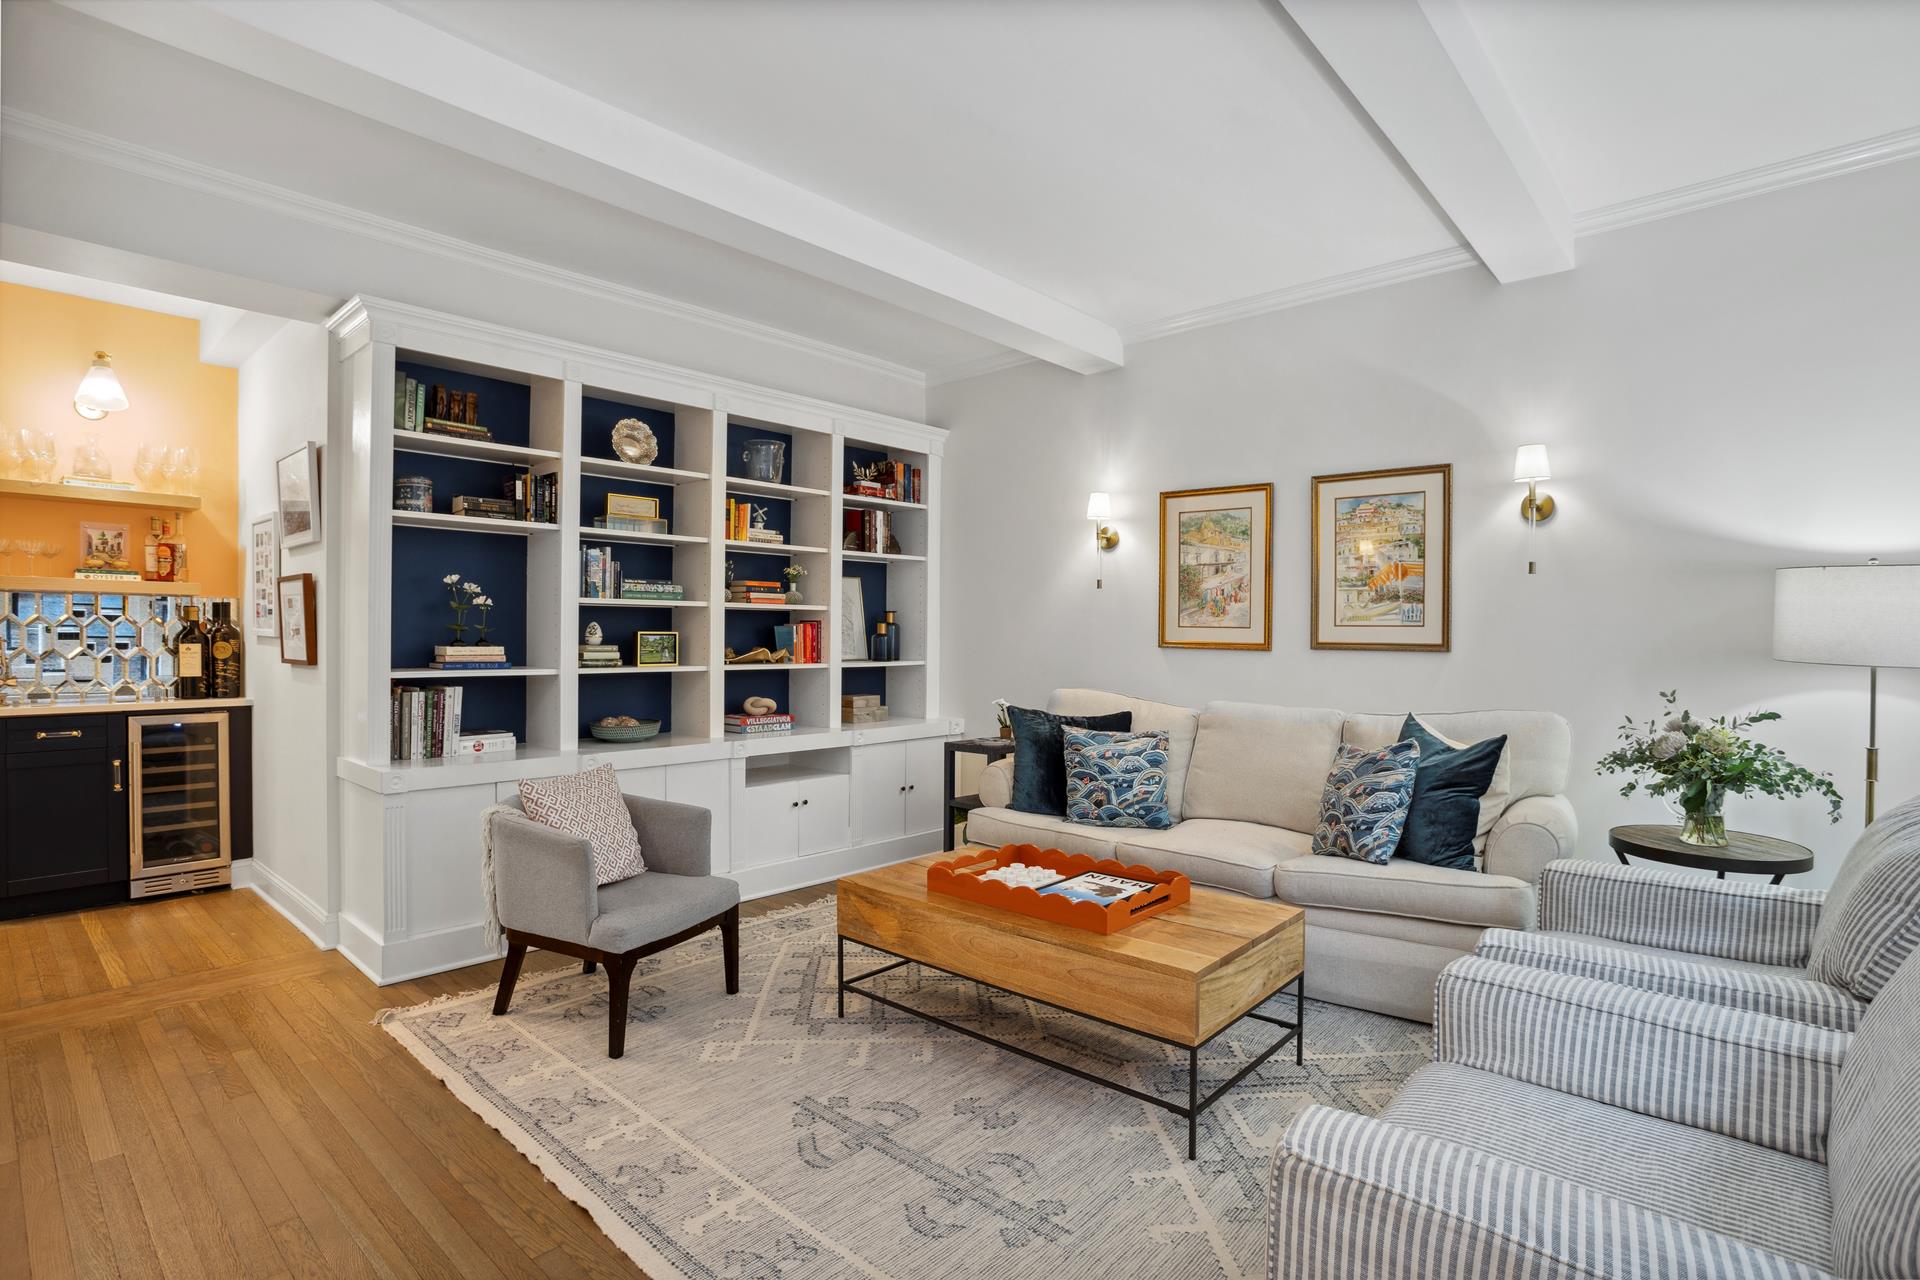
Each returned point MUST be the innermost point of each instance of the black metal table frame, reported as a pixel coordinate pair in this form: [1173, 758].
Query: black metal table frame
[1295, 1031]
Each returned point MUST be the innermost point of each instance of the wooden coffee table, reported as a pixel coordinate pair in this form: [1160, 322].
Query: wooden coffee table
[1181, 977]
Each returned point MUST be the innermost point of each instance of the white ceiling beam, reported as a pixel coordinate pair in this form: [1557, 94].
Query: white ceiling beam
[386, 65]
[1418, 68]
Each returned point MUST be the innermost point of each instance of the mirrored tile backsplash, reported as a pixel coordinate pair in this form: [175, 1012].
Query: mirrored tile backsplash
[81, 646]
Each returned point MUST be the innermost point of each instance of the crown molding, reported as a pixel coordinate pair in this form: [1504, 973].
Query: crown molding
[1831, 163]
[993, 362]
[129, 157]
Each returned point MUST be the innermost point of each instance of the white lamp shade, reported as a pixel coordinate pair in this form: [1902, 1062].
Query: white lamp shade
[1099, 507]
[100, 389]
[1850, 615]
[1530, 464]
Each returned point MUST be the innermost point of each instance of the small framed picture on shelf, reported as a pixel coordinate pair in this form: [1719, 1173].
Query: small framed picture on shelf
[297, 482]
[632, 506]
[299, 628]
[103, 546]
[656, 649]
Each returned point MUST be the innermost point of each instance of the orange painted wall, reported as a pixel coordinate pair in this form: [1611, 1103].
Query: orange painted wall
[46, 342]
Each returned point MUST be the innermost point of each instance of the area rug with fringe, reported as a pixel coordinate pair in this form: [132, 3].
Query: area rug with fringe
[759, 1137]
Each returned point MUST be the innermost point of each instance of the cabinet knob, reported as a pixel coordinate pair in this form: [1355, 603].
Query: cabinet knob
[793, 804]
[805, 802]
[910, 786]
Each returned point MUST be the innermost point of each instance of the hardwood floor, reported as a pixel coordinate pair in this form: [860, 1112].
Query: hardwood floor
[188, 1088]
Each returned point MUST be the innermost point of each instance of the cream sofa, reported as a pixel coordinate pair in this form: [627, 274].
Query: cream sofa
[1244, 784]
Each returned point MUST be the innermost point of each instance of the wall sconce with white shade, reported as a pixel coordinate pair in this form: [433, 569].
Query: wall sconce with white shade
[1530, 467]
[1105, 538]
[100, 392]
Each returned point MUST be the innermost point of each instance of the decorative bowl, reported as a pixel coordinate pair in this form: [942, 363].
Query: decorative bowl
[625, 732]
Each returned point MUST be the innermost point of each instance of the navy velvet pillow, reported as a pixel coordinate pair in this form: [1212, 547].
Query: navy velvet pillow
[1039, 756]
[1446, 798]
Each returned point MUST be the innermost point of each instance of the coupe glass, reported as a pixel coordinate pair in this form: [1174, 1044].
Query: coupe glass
[6, 549]
[31, 547]
[51, 550]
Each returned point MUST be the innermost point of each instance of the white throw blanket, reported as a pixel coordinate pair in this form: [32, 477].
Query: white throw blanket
[495, 935]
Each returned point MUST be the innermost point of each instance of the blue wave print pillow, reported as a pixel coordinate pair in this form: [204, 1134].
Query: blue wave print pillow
[1117, 779]
[1363, 811]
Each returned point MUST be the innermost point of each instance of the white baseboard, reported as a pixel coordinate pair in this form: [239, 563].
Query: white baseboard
[404, 959]
[800, 873]
[307, 915]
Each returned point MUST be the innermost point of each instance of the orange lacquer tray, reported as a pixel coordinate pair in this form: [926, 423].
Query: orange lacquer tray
[960, 877]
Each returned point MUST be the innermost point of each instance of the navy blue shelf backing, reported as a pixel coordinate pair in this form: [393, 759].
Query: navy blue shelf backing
[756, 682]
[644, 695]
[737, 436]
[505, 407]
[596, 428]
[421, 616]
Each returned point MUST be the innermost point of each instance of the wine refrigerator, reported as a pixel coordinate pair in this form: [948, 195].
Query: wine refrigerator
[181, 824]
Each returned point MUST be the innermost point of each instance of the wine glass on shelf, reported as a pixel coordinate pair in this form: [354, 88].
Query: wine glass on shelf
[147, 460]
[186, 467]
[44, 453]
[31, 547]
[13, 452]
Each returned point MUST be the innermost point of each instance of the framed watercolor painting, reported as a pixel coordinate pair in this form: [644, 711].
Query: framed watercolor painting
[1383, 560]
[297, 486]
[299, 637]
[1216, 568]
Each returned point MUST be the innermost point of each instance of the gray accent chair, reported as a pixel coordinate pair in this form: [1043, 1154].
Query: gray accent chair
[1572, 1127]
[545, 895]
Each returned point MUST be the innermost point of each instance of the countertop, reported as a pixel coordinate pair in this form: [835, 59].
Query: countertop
[117, 708]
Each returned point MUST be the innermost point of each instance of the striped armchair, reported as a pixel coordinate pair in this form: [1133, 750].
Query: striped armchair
[1812, 956]
[1571, 1127]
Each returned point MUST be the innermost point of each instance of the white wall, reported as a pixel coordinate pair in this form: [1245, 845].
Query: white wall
[283, 405]
[1723, 393]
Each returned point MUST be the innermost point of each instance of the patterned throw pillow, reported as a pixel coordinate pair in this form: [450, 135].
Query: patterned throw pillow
[588, 805]
[1364, 808]
[1117, 779]
[1871, 921]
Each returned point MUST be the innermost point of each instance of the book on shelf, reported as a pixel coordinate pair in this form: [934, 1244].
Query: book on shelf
[484, 508]
[863, 530]
[756, 730]
[801, 639]
[94, 482]
[632, 524]
[652, 589]
[423, 721]
[403, 393]
[769, 537]
[486, 744]
[458, 430]
[756, 597]
[469, 652]
[502, 665]
[892, 479]
[107, 575]
[771, 717]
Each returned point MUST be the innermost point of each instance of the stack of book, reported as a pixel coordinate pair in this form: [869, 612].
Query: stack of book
[485, 743]
[868, 531]
[599, 655]
[469, 657]
[741, 528]
[801, 639]
[423, 723]
[861, 708]
[600, 574]
[740, 725]
[485, 508]
[108, 575]
[755, 591]
[652, 589]
[535, 498]
[632, 524]
[459, 430]
[436, 410]
[893, 479]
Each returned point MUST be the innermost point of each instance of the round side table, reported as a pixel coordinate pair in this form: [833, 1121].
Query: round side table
[1743, 854]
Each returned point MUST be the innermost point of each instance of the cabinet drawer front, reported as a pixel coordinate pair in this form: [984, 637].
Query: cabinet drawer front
[57, 733]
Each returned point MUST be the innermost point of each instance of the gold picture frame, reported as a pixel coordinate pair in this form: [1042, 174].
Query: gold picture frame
[650, 646]
[1378, 538]
[1216, 586]
[632, 506]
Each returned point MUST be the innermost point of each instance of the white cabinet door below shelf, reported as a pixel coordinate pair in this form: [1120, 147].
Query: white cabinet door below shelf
[766, 824]
[924, 760]
[823, 813]
[879, 789]
[704, 783]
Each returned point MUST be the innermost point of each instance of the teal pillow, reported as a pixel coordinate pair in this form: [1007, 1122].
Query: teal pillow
[1117, 779]
[1039, 758]
[1364, 807]
[1446, 798]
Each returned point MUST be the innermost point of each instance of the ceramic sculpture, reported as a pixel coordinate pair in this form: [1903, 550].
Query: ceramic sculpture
[633, 440]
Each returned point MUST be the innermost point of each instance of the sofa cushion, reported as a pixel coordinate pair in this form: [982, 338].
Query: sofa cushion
[1261, 764]
[1179, 723]
[1870, 923]
[588, 804]
[1539, 743]
[1453, 804]
[1117, 779]
[1039, 755]
[1751, 1193]
[1873, 1148]
[994, 827]
[1218, 852]
[1402, 888]
[1363, 809]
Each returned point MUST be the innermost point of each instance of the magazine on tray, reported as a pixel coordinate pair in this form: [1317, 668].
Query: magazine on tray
[1098, 886]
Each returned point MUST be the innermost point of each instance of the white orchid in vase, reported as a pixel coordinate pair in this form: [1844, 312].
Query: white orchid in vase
[461, 596]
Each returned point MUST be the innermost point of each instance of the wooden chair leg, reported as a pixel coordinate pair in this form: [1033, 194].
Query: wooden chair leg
[730, 947]
[586, 966]
[509, 974]
[619, 973]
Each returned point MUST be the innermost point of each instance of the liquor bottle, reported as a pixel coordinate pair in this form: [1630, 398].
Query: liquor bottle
[229, 653]
[150, 569]
[181, 573]
[191, 667]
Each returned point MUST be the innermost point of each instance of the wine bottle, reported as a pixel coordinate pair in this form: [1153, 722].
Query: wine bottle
[191, 667]
[229, 653]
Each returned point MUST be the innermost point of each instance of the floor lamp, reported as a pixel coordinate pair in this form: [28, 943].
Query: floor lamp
[1850, 615]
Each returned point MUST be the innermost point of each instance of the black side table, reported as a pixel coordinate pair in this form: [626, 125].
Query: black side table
[1743, 854]
[993, 749]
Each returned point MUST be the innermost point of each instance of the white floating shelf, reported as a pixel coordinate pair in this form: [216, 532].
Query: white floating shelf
[773, 548]
[97, 587]
[470, 524]
[435, 673]
[898, 662]
[633, 671]
[630, 535]
[601, 602]
[644, 472]
[880, 504]
[767, 487]
[748, 607]
[882, 557]
[99, 493]
[458, 447]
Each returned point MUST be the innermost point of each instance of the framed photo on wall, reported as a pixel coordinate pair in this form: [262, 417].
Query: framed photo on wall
[297, 484]
[1383, 559]
[299, 629]
[263, 569]
[1216, 568]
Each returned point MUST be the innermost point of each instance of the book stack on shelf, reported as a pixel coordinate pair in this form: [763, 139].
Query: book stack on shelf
[434, 410]
[800, 639]
[861, 708]
[889, 478]
[599, 655]
[601, 578]
[741, 725]
[424, 723]
[741, 528]
[489, 744]
[755, 591]
[469, 657]
[869, 531]
[652, 589]
[632, 524]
